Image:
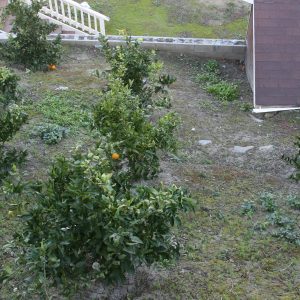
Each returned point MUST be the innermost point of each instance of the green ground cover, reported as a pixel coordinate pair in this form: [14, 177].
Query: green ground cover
[189, 18]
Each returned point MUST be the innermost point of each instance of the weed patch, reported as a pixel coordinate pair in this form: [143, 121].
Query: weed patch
[65, 109]
[210, 79]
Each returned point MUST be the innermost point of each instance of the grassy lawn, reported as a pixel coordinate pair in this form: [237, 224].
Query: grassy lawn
[189, 18]
[226, 251]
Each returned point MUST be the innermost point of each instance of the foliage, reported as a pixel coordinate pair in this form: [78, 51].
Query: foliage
[81, 224]
[211, 67]
[138, 69]
[295, 161]
[268, 202]
[64, 109]
[119, 117]
[248, 208]
[278, 219]
[12, 117]
[50, 133]
[9, 158]
[29, 46]
[8, 86]
[11, 121]
[211, 81]
[294, 202]
[224, 90]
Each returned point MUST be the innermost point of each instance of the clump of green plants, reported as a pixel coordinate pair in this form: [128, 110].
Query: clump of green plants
[212, 82]
[268, 202]
[81, 226]
[119, 117]
[12, 117]
[294, 202]
[224, 91]
[29, 46]
[65, 109]
[140, 70]
[278, 219]
[248, 208]
[50, 134]
[8, 86]
[295, 161]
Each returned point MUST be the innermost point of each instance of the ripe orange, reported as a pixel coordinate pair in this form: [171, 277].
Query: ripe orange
[115, 156]
[52, 67]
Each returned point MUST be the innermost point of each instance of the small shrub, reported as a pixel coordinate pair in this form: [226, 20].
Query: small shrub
[8, 86]
[294, 202]
[50, 134]
[224, 90]
[295, 161]
[9, 158]
[211, 67]
[80, 225]
[268, 202]
[12, 117]
[138, 69]
[276, 218]
[11, 121]
[248, 208]
[289, 234]
[211, 81]
[119, 118]
[29, 46]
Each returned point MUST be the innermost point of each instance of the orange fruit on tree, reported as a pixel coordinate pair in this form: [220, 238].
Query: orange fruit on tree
[115, 156]
[52, 67]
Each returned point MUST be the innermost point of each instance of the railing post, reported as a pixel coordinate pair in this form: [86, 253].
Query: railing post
[102, 26]
[50, 7]
[62, 5]
[82, 19]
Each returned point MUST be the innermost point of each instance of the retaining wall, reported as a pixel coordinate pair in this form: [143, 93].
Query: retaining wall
[206, 48]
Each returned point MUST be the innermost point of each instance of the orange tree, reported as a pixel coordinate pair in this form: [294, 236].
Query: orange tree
[29, 46]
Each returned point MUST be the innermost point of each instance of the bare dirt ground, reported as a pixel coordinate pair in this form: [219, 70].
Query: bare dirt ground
[223, 257]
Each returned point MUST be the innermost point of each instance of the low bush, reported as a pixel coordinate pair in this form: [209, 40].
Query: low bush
[8, 86]
[79, 225]
[12, 117]
[211, 67]
[294, 202]
[212, 82]
[119, 117]
[50, 133]
[140, 70]
[224, 90]
[29, 46]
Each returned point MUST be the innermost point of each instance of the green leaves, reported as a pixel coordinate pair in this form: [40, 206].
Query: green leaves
[139, 70]
[119, 117]
[12, 117]
[30, 47]
[78, 214]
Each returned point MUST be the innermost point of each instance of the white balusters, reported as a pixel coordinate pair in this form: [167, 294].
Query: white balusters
[66, 11]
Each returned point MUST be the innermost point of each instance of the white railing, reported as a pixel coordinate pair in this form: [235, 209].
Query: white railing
[75, 15]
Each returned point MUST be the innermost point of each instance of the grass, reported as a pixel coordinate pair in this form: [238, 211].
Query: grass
[223, 256]
[170, 18]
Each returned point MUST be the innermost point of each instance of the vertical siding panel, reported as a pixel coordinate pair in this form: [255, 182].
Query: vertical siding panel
[277, 72]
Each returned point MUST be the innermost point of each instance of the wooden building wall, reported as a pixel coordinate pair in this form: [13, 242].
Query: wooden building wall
[249, 52]
[277, 52]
